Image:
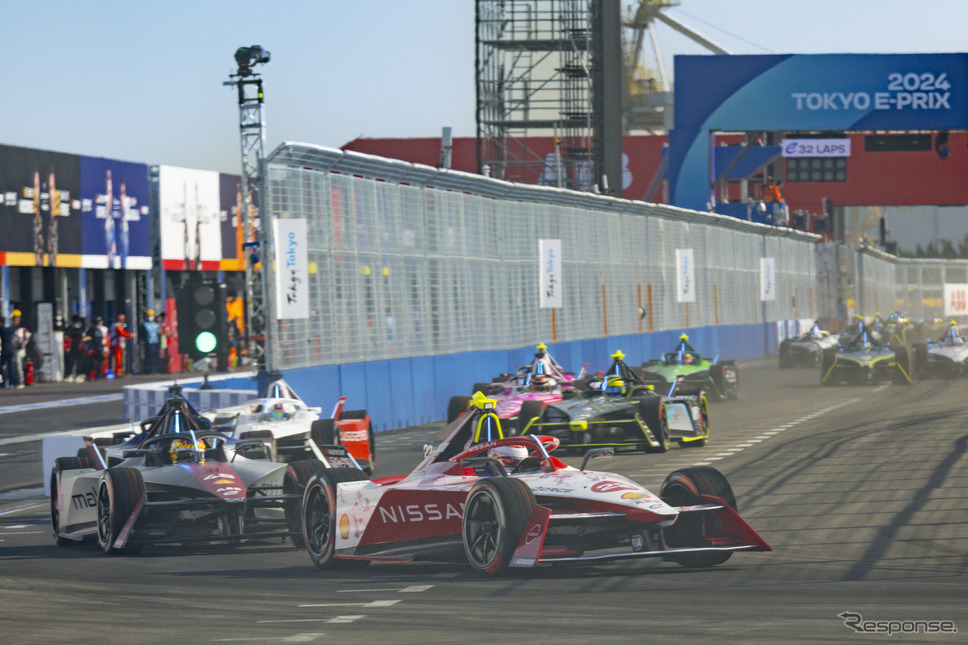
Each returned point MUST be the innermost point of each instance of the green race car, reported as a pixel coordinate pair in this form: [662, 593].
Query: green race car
[685, 371]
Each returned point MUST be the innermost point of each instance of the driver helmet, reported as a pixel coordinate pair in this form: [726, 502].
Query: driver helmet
[510, 456]
[615, 385]
[687, 358]
[278, 412]
[541, 383]
[179, 444]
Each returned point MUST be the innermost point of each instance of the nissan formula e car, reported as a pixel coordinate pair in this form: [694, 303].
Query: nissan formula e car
[543, 380]
[179, 485]
[293, 430]
[617, 409]
[509, 503]
[691, 372]
[807, 350]
[861, 361]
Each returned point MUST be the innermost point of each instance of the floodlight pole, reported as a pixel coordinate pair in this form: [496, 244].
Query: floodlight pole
[252, 127]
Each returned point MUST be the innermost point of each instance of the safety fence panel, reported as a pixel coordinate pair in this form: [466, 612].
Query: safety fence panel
[409, 261]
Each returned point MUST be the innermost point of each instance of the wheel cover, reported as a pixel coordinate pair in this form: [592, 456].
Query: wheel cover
[104, 528]
[317, 522]
[482, 529]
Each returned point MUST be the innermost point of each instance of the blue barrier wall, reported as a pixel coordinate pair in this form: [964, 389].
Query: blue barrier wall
[411, 391]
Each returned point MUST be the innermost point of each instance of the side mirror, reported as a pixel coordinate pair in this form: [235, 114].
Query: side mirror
[592, 453]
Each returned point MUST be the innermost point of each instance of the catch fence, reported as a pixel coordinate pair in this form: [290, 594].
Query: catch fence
[408, 260]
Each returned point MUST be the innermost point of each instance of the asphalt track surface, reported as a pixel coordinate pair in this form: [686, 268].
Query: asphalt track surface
[861, 491]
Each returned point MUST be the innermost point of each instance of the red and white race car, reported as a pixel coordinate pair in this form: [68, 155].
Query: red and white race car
[506, 502]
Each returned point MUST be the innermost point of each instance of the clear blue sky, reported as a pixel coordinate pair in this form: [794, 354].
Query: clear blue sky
[142, 81]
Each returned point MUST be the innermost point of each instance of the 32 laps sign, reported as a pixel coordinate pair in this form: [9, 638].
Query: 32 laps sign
[956, 299]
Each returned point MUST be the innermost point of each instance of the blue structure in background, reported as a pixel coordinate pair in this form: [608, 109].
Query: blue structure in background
[783, 93]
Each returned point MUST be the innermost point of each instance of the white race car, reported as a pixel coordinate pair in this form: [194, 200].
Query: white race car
[293, 430]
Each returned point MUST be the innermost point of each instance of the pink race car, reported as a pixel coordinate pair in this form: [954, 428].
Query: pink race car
[534, 386]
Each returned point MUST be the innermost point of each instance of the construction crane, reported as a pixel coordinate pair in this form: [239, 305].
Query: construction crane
[648, 93]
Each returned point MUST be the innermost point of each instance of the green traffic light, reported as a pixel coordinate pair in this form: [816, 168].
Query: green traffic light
[205, 342]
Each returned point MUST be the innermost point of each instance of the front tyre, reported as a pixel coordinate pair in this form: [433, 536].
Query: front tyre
[319, 513]
[457, 406]
[119, 492]
[685, 487]
[786, 353]
[495, 516]
[298, 474]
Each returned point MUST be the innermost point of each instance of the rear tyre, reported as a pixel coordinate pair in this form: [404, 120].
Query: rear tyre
[529, 410]
[685, 487]
[495, 516]
[323, 432]
[457, 406]
[371, 442]
[119, 491]
[703, 424]
[60, 465]
[298, 474]
[653, 413]
[319, 513]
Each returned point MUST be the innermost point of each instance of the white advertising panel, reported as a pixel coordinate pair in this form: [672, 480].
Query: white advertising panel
[956, 299]
[685, 276]
[292, 268]
[767, 279]
[191, 237]
[550, 273]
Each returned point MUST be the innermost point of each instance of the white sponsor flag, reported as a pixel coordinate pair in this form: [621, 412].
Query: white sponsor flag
[955, 299]
[292, 268]
[767, 279]
[549, 252]
[685, 276]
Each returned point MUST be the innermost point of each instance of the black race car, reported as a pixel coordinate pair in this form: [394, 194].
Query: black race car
[862, 360]
[618, 409]
[807, 350]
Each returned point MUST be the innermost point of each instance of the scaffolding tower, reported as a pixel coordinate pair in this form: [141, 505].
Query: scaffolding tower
[549, 68]
[252, 128]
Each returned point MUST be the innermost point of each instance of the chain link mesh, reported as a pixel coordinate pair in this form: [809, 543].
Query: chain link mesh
[409, 261]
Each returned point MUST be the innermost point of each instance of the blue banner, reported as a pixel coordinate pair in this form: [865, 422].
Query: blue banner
[784, 93]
